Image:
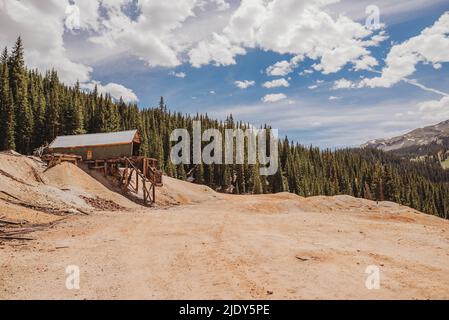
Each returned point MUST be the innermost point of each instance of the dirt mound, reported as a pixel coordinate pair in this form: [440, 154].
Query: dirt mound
[67, 175]
[19, 214]
[175, 191]
[20, 168]
[71, 178]
[348, 204]
[26, 183]
[22, 183]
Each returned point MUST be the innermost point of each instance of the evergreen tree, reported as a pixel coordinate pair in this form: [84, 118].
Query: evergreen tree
[7, 113]
[24, 118]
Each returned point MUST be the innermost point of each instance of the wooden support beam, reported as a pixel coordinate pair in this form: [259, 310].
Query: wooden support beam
[144, 192]
[137, 182]
[154, 193]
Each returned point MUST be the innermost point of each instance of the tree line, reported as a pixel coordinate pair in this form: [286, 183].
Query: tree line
[35, 108]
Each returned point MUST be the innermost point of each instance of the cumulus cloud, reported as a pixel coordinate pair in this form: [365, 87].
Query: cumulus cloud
[284, 67]
[301, 28]
[316, 85]
[276, 83]
[72, 20]
[343, 84]
[306, 72]
[177, 74]
[431, 46]
[218, 50]
[165, 33]
[332, 98]
[150, 36]
[441, 104]
[41, 24]
[365, 63]
[274, 97]
[115, 90]
[244, 84]
[435, 110]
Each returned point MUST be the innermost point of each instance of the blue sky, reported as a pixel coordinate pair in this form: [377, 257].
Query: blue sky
[194, 52]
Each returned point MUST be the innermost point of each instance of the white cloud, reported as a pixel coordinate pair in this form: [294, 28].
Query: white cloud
[301, 28]
[332, 98]
[212, 91]
[219, 49]
[72, 20]
[306, 72]
[41, 26]
[244, 84]
[365, 63]
[431, 46]
[274, 97]
[177, 74]
[316, 85]
[443, 103]
[393, 11]
[165, 33]
[435, 110]
[276, 83]
[284, 67]
[115, 90]
[343, 84]
[150, 36]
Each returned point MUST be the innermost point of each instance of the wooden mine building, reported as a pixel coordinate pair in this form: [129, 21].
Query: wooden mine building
[115, 153]
[98, 146]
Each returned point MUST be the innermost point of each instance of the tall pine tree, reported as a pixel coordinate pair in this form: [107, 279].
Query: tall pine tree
[24, 118]
[7, 113]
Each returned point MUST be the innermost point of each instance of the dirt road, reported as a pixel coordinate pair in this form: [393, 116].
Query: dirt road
[236, 247]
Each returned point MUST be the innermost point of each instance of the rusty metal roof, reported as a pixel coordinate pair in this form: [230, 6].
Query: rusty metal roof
[94, 139]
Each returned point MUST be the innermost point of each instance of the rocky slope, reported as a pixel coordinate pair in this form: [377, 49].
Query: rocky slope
[436, 135]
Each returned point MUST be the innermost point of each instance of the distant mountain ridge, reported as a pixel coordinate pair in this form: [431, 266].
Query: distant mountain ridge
[429, 142]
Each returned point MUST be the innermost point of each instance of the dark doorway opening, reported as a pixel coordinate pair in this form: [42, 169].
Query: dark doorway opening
[136, 149]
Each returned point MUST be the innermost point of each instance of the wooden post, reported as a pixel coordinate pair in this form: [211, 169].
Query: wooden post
[144, 193]
[154, 193]
[125, 173]
[137, 181]
[144, 165]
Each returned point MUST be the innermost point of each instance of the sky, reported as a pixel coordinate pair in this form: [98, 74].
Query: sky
[332, 73]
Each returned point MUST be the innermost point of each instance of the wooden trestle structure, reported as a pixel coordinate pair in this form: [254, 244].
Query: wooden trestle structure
[122, 170]
[143, 169]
